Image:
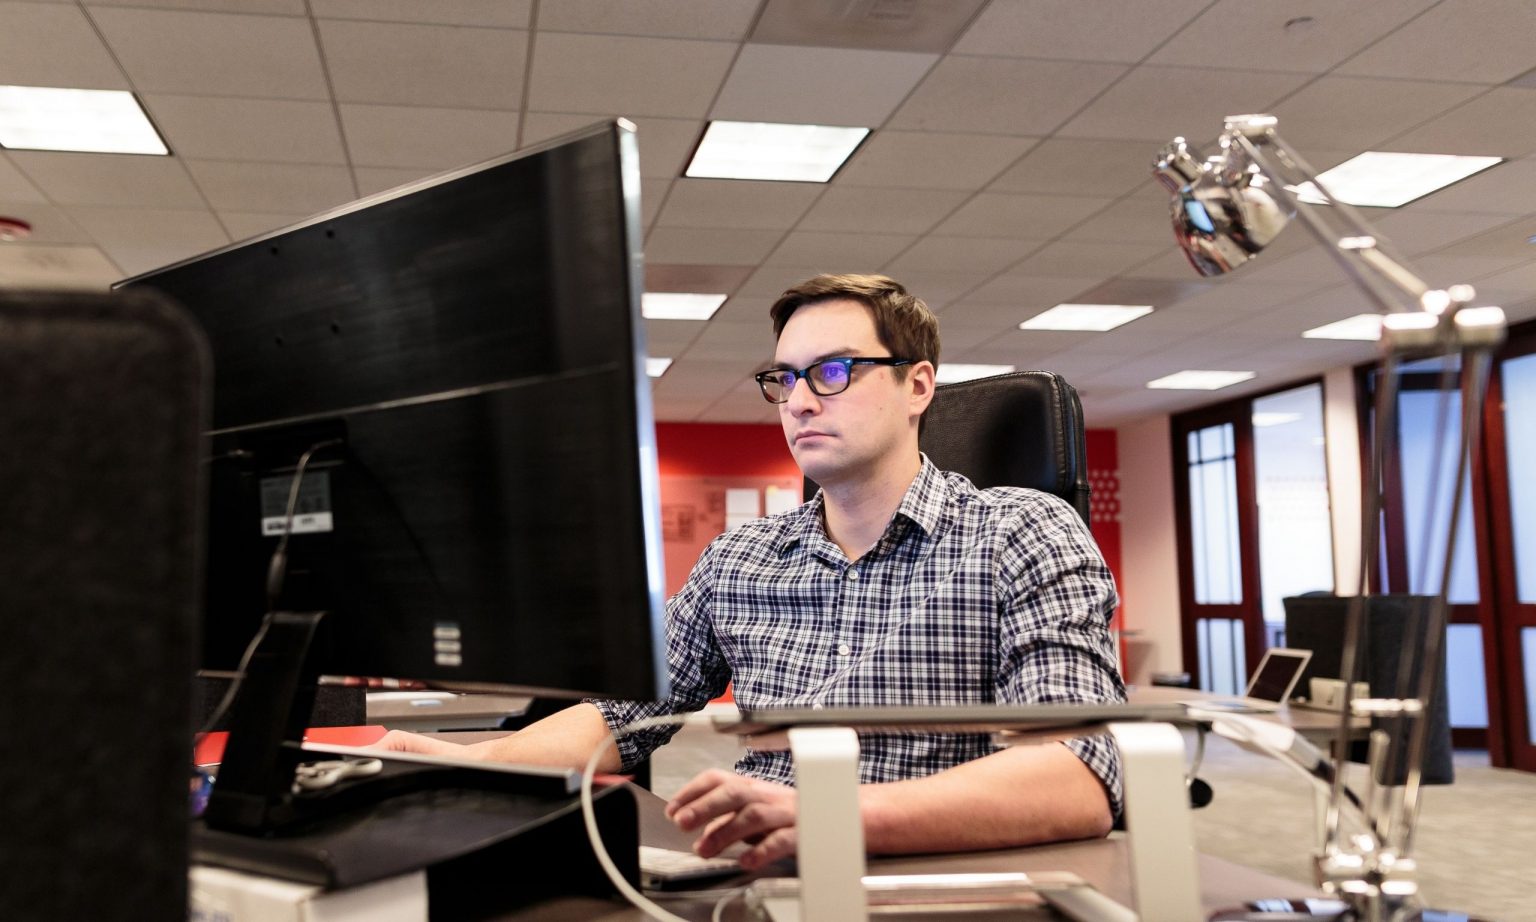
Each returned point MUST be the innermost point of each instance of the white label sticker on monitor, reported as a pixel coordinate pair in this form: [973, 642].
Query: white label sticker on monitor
[312, 512]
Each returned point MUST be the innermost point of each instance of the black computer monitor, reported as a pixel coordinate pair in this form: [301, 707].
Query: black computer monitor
[470, 346]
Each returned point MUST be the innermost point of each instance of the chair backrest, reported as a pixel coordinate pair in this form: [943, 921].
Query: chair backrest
[1316, 622]
[1023, 429]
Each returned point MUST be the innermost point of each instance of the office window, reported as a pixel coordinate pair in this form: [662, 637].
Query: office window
[1519, 380]
[1295, 530]
[1213, 516]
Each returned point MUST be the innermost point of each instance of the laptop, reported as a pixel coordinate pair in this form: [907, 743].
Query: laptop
[1270, 686]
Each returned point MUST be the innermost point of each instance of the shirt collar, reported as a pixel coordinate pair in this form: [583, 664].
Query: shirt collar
[923, 504]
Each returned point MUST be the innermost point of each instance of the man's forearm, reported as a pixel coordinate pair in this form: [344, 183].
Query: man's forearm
[565, 739]
[1018, 796]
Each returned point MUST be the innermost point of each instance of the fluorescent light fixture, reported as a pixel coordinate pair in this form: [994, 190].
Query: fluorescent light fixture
[1264, 420]
[765, 150]
[1365, 327]
[1093, 318]
[657, 367]
[1385, 179]
[953, 373]
[89, 121]
[1200, 380]
[668, 305]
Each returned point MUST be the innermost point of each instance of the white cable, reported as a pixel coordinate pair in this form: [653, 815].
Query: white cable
[588, 815]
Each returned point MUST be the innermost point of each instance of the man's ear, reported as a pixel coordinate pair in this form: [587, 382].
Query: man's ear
[920, 385]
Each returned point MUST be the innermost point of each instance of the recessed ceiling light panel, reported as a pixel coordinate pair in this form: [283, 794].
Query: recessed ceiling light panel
[1365, 327]
[1387, 179]
[771, 151]
[1092, 318]
[668, 305]
[88, 121]
[954, 372]
[657, 367]
[1200, 380]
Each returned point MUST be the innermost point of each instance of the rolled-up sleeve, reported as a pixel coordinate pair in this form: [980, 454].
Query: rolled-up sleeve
[698, 670]
[1057, 599]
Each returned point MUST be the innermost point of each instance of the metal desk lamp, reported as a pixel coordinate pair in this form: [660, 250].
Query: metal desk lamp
[1226, 209]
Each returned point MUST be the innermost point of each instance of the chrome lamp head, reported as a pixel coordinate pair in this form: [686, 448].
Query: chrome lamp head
[1224, 212]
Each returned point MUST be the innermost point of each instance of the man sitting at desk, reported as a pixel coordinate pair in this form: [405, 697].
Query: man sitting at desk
[897, 584]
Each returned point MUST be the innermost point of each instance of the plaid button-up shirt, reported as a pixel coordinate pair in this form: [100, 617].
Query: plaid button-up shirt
[969, 597]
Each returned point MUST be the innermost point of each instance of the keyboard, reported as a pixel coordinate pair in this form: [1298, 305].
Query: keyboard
[662, 867]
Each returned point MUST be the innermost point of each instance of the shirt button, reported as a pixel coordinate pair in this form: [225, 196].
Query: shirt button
[843, 649]
[853, 574]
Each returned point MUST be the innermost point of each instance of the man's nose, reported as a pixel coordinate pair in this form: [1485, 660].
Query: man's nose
[802, 399]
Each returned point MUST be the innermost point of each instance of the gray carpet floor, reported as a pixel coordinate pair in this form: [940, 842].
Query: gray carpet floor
[1476, 843]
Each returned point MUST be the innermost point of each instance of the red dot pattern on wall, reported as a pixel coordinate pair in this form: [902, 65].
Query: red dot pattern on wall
[1104, 496]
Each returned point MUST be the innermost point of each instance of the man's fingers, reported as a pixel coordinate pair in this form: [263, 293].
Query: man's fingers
[756, 819]
[702, 784]
[778, 844]
[401, 741]
[729, 795]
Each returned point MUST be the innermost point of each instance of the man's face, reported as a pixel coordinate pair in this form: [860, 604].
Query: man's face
[845, 437]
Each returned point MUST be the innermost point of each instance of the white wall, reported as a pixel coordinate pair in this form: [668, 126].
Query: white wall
[1149, 581]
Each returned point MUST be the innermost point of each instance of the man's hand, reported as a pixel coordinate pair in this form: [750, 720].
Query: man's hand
[731, 808]
[401, 741]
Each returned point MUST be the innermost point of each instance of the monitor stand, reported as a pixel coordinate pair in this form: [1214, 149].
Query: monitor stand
[452, 820]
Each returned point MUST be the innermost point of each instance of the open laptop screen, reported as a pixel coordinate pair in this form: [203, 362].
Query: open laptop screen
[1277, 674]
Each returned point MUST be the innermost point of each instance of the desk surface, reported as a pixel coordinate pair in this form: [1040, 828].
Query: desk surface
[1101, 862]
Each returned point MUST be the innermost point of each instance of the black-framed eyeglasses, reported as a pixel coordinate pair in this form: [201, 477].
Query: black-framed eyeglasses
[826, 378]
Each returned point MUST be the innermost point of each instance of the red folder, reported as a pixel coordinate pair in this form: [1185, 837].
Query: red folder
[211, 748]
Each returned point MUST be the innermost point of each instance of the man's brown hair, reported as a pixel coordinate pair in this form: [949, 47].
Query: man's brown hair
[903, 323]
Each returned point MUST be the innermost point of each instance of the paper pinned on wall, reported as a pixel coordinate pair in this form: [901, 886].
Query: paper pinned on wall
[742, 505]
[778, 499]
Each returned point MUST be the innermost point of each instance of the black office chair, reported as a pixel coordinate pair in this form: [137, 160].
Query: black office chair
[1316, 622]
[1023, 429]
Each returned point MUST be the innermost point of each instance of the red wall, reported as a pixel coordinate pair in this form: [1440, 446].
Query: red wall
[723, 450]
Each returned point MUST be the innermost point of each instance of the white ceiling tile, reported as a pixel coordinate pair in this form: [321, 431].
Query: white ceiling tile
[1134, 219]
[1018, 296]
[727, 20]
[141, 239]
[1070, 166]
[633, 76]
[1144, 105]
[109, 179]
[1237, 33]
[889, 211]
[510, 14]
[412, 136]
[1415, 232]
[666, 337]
[1508, 188]
[243, 225]
[50, 225]
[1002, 95]
[838, 251]
[1500, 123]
[705, 246]
[1079, 258]
[768, 282]
[737, 203]
[264, 7]
[218, 54]
[417, 65]
[902, 26]
[54, 45]
[740, 308]
[1441, 270]
[938, 289]
[281, 187]
[373, 180]
[705, 279]
[978, 256]
[665, 143]
[27, 266]
[15, 187]
[1077, 30]
[1025, 217]
[653, 193]
[1481, 41]
[227, 128]
[931, 160]
[1363, 112]
[743, 343]
[818, 86]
